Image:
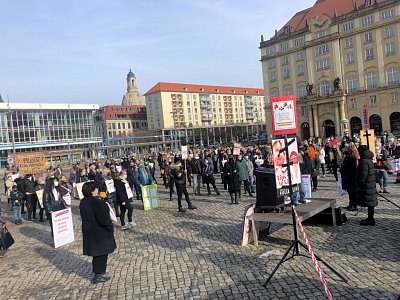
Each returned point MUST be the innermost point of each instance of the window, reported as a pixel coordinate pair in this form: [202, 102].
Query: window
[392, 74]
[272, 76]
[287, 91]
[300, 56]
[300, 70]
[394, 97]
[323, 64]
[368, 2]
[368, 37]
[352, 83]
[271, 50]
[285, 73]
[299, 42]
[371, 80]
[389, 31]
[387, 14]
[372, 100]
[194, 97]
[390, 48]
[350, 58]
[304, 111]
[187, 97]
[285, 60]
[369, 53]
[321, 34]
[353, 103]
[322, 49]
[349, 43]
[348, 26]
[368, 20]
[301, 91]
[272, 64]
[284, 46]
[274, 93]
[325, 88]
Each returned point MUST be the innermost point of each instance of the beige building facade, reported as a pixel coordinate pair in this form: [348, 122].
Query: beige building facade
[338, 57]
[132, 96]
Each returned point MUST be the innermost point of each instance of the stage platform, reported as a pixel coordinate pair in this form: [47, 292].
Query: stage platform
[304, 211]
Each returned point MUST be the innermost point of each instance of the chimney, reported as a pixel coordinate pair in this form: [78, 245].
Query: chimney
[262, 38]
[334, 13]
[276, 33]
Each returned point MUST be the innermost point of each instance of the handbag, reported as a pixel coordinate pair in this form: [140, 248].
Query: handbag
[113, 217]
[6, 239]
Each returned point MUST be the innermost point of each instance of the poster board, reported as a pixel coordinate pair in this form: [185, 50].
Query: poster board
[79, 190]
[236, 148]
[284, 115]
[150, 197]
[371, 140]
[306, 183]
[185, 152]
[31, 164]
[110, 186]
[62, 227]
[39, 194]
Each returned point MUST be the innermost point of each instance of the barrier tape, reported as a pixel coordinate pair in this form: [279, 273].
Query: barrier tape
[314, 259]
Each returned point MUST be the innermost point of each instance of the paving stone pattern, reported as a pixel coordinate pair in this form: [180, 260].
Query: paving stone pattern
[198, 255]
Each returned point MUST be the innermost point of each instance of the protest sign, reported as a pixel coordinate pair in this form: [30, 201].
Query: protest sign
[79, 190]
[284, 115]
[184, 151]
[370, 134]
[306, 183]
[150, 197]
[129, 192]
[39, 195]
[63, 229]
[110, 186]
[31, 164]
[236, 148]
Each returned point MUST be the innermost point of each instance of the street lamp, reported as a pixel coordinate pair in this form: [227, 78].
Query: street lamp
[173, 132]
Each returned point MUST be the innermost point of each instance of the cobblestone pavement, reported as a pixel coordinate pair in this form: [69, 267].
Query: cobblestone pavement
[198, 255]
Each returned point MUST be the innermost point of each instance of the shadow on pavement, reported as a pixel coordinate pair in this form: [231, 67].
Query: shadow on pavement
[166, 241]
[42, 236]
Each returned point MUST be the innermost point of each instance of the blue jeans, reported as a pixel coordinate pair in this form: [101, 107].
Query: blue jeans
[300, 196]
[251, 182]
[382, 178]
[17, 212]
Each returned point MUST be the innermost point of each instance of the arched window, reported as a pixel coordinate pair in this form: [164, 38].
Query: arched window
[301, 91]
[372, 80]
[392, 74]
[287, 91]
[352, 83]
[274, 93]
[324, 88]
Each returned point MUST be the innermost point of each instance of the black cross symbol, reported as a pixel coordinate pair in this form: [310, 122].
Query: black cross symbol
[367, 135]
[284, 149]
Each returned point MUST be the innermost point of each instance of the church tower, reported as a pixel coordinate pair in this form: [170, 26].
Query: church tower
[132, 96]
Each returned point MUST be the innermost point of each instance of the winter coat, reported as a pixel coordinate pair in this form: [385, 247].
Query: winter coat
[27, 186]
[97, 228]
[196, 166]
[315, 165]
[52, 204]
[178, 174]
[366, 184]
[250, 168]
[305, 164]
[243, 170]
[120, 190]
[231, 174]
[208, 172]
[348, 171]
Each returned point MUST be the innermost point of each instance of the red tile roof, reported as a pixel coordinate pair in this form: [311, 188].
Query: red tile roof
[110, 110]
[198, 88]
[321, 7]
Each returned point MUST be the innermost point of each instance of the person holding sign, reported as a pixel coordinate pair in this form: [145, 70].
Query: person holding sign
[39, 187]
[52, 199]
[97, 231]
[124, 196]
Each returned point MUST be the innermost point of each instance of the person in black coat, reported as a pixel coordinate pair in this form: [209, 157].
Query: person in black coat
[178, 174]
[366, 184]
[348, 171]
[231, 175]
[28, 189]
[97, 231]
[124, 197]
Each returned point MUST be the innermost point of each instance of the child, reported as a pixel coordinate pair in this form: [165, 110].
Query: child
[16, 199]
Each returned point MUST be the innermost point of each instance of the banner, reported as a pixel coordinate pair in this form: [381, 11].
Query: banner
[306, 184]
[39, 194]
[184, 151]
[31, 164]
[281, 171]
[110, 186]
[150, 197]
[284, 115]
[63, 229]
[365, 116]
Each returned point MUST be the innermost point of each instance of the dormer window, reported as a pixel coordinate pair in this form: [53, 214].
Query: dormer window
[287, 29]
[369, 2]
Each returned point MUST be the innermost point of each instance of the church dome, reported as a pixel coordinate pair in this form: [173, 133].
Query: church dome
[131, 74]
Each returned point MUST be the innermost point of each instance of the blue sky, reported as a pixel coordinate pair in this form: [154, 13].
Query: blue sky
[80, 51]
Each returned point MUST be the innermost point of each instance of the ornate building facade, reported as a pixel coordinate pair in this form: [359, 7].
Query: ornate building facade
[338, 57]
[132, 96]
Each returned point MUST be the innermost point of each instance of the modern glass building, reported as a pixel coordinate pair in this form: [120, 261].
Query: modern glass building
[57, 130]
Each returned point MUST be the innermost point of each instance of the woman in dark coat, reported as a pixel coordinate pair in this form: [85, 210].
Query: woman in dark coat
[97, 231]
[231, 174]
[366, 184]
[52, 199]
[348, 171]
[179, 176]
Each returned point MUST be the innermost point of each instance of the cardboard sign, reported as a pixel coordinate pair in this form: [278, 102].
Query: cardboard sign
[365, 115]
[370, 133]
[284, 115]
[79, 190]
[39, 194]
[62, 227]
[185, 153]
[281, 171]
[31, 164]
[110, 186]
[306, 183]
[150, 197]
[128, 189]
[236, 148]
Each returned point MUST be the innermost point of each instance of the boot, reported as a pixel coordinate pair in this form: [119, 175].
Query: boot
[208, 191]
[232, 198]
[368, 222]
[236, 199]
[216, 190]
[100, 278]
[385, 191]
[191, 206]
[381, 190]
[181, 210]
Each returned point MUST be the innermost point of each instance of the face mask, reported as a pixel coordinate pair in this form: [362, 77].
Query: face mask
[55, 183]
[240, 157]
[123, 177]
[246, 158]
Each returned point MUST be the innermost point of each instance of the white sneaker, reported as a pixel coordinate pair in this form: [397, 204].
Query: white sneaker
[323, 176]
[125, 227]
[131, 224]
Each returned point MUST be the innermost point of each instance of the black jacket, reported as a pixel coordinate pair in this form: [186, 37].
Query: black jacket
[27, 186]
[97, 228]
[120, 190]
[178, 174]
[348, 170]
[366, 184]
[231, 174]
[52, 204]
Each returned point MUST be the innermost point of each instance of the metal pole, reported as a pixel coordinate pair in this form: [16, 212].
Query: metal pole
[12, 133]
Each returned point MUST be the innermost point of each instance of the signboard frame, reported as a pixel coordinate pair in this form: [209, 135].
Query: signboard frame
[284, 115]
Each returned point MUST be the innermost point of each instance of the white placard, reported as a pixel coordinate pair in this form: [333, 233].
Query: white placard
[118, 168]
[154, 202]
[63, 229]
[129, 192]
[39, 194]
[79, 189]
[110, 186]
[306, 184]
[14, 176]
[184, 152]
